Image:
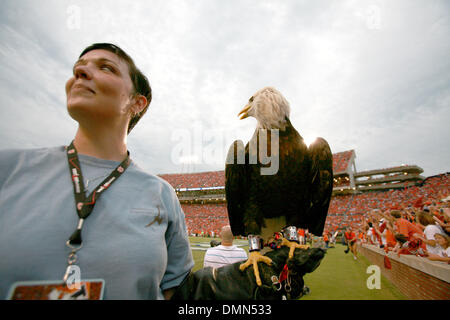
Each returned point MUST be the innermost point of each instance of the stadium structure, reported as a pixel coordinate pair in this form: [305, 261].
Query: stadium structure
[348, 180]
[202, 194]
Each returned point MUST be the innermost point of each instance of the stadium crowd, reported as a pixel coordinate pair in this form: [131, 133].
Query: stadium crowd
[422, 232]
[217, 178]
[392, 219]
[195, 180]
[413, 220]
[341, 161]
[205, 219]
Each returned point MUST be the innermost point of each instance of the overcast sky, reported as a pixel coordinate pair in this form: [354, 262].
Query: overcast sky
[373, 76]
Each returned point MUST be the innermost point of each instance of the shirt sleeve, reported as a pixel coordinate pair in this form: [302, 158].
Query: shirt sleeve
[179, 255]
[430, 231]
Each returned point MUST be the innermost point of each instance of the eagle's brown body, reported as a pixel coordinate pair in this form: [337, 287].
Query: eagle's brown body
[298, 194]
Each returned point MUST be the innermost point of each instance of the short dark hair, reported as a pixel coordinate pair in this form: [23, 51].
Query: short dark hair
[140, 82]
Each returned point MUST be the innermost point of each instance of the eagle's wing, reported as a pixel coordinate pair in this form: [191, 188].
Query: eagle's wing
[321, 184]
[236, 186]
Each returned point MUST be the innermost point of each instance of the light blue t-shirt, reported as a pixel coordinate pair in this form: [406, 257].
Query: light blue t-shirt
[136, 258]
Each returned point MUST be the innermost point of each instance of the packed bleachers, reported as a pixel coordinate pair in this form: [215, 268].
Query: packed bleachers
[341, 161]
[350, 209]
[344, 211]
[205, 218]
[196, 180]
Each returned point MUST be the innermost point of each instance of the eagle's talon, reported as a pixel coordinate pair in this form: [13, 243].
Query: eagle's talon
[253, 259]
[292, 246]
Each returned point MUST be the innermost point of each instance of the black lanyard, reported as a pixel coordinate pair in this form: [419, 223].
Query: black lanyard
[85, 205]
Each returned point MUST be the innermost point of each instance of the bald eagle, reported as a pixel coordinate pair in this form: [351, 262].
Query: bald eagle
[296, 186]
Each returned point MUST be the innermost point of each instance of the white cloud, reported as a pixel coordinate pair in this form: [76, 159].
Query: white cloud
[366, 75]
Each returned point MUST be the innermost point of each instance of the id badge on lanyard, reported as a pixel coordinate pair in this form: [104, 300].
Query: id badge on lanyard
[92, 289]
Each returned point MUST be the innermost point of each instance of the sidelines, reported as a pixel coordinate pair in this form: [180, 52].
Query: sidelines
[336, 271]
[416, 277]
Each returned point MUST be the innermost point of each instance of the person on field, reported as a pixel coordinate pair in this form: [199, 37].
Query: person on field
[225, 253]
[350, 238]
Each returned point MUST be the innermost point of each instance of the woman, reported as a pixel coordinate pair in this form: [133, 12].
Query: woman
[443, 219]
[444, 248]
[89, 205]
[429, 232]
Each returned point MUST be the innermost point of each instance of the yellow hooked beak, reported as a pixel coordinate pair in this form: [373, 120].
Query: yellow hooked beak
[244, 113]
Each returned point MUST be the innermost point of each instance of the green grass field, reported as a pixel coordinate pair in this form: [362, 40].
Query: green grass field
[339, 277]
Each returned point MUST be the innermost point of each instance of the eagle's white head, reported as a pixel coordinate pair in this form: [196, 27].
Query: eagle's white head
[269, 108]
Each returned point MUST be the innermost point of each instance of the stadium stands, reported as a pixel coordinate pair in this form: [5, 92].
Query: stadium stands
[342, 167]
[195, 180]
[205, 218]
[349, 209]
[342, 161]
[344, 210]
[203, 198]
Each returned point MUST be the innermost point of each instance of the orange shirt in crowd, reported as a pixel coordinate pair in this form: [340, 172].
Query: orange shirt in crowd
[301, 232]
[390, 239]
[325, 237]
[407, 228]
[350, 235]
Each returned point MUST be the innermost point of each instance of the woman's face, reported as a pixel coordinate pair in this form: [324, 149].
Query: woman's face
[440, 240]
[100, 90]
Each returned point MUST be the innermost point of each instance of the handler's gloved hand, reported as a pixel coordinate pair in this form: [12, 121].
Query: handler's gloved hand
[229, 283]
